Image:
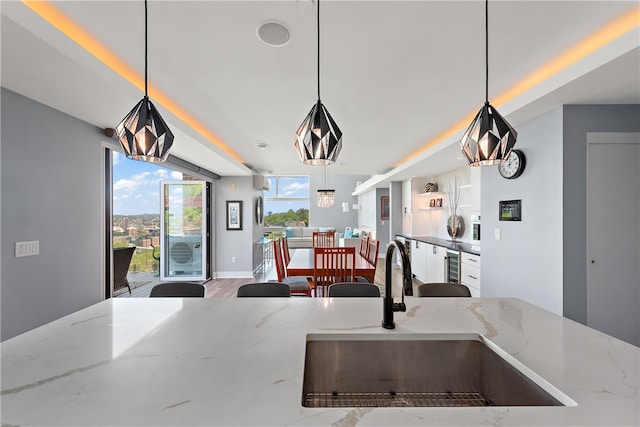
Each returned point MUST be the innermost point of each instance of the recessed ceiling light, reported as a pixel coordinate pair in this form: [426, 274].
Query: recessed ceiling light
[273, 34]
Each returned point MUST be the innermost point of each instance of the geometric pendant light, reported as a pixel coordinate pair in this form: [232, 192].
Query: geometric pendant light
[318, 139]
[143, 133]
[490, 138]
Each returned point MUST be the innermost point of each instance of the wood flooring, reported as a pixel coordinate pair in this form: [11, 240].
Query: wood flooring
[228, 288]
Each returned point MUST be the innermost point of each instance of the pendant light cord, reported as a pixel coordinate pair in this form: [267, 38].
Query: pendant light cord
[146, 94]
[324, 178]
[486, 52]
[318, 50]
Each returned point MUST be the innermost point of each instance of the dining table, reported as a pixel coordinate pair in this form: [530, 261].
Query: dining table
[301, 264]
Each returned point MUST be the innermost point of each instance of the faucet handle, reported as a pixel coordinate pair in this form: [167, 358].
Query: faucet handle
[399, 306]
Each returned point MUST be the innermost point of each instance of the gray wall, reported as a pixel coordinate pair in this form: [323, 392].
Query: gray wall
[553, 192]
[578, 120]
[334, 216]
[395, 198]
[526, 262]
[51, 178]
[383, 227]
[234, 243]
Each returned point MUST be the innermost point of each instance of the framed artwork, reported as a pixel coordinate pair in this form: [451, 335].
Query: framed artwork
[432, 203]
[438, 203]
[384, 207]
[234, 214]
[510, 210]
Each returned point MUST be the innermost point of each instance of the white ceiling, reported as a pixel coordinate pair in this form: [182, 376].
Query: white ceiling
[394, 74]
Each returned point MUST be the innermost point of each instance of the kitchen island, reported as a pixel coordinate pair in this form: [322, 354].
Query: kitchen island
[188, 362]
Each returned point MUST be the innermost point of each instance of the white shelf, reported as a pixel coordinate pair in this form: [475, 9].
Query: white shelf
[433, 193]
[430, 207]
[465, 186]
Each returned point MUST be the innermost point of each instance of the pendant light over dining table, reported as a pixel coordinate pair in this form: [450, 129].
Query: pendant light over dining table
[326, 197]
[318, 139]
[143, 133]
[490, 138]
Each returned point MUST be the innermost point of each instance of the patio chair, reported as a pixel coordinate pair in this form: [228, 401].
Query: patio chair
[265, 289]
[443, 290]
[178, 289]
[121, 261]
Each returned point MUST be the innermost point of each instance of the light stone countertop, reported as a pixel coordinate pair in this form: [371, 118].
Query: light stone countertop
[188, 362]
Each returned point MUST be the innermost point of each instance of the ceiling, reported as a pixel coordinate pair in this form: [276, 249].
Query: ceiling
[396, 76]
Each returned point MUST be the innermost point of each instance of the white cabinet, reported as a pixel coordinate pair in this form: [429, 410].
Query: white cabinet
[419, 260]
[470, 273]
[436, 256]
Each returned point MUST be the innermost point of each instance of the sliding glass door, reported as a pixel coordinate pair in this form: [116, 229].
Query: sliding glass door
[183, 231]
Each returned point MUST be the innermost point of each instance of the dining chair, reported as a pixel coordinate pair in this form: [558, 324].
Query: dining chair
[178, 289]
[364, 246]
[333, 265]
[443, 290]
[300, 285]
[323, 239]
[372, 258]
[286, 254]
[353, 290]
[264, 289]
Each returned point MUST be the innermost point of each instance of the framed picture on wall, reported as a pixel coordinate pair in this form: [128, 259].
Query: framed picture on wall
[234, 214]
[384, 207]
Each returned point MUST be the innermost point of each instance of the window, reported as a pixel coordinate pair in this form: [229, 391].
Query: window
[136, 208]
[287, 201]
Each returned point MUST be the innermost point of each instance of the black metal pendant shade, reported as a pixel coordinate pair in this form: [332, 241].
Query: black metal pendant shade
[318, 139]
[143, 133]
[489, 139]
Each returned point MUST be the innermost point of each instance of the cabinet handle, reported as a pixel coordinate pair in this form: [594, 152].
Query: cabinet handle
[472, 277]
[472, 260]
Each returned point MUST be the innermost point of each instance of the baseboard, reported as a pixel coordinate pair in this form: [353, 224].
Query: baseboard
[234, 275]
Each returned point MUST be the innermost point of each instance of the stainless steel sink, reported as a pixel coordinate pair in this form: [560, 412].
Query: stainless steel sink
[418, 371]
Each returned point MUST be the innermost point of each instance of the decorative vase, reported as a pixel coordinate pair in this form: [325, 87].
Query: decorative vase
[455, 226]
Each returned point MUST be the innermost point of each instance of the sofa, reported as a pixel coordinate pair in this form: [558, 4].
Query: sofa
[299, 237]
[353, 241]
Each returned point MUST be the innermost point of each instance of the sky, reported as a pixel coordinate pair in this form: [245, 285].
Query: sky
[136, 188]
[136, 185]
[288, 186]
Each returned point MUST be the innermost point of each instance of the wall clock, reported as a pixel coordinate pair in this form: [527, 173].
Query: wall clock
[513, 166]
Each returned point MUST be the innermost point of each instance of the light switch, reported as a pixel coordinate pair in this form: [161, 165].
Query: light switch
[496, 233]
